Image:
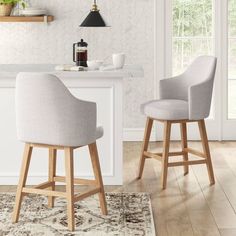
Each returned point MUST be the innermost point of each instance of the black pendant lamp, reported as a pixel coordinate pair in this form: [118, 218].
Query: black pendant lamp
[94, 19]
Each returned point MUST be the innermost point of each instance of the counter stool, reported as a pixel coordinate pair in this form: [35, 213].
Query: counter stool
[49, 116]
[184, 98]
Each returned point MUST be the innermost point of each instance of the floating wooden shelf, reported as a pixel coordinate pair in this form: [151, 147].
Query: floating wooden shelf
[26, 18]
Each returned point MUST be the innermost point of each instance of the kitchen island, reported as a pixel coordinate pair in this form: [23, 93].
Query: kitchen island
[103, 87]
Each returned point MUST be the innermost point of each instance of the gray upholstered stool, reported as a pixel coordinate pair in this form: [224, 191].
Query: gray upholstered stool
[184, 98]
[49, 116]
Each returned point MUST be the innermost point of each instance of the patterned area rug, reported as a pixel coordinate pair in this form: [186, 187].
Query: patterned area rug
[129, 214]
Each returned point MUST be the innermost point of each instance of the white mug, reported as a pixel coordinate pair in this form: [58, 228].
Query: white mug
[118, 60]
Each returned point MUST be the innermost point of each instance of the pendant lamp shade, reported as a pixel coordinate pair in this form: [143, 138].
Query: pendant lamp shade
[94, 18]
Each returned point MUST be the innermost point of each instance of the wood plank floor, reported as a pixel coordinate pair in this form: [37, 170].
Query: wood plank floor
[189, 206]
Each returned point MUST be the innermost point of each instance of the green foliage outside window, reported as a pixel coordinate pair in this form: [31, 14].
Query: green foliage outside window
[192, 31]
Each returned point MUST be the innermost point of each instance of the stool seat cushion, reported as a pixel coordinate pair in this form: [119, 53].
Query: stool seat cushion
[166, 109]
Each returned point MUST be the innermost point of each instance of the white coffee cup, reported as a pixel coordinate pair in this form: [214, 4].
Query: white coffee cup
[118, 60]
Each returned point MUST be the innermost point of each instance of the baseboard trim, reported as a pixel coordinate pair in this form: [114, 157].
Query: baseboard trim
[136, 134]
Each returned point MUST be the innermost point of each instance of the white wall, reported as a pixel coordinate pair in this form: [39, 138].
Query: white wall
[131, 31]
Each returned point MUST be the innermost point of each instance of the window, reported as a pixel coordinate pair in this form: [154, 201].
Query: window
[192, 32]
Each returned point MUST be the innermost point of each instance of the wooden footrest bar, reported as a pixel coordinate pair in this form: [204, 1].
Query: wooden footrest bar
[40, 189]
[77, 197]
[81, 196]
[44, 185]
[44, 192]
[183, 163]
[158, 156]
[172, 154]
[62, 179]
[195, 152]
[152, 155]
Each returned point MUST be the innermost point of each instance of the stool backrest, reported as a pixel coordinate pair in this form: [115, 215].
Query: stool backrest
[46, 112]
[202, 69]
[202, 74]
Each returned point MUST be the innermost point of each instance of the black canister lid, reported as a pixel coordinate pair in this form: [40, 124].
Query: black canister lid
[82, 43]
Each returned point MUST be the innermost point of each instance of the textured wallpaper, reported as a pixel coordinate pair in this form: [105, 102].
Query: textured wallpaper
[131, 31]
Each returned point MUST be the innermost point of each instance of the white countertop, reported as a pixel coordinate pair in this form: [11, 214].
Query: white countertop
[10, 71]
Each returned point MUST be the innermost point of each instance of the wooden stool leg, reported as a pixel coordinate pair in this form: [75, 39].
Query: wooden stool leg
[52, 174]
[165, 157]
[184, 143]
[206, 149]
[146, 139]
[23, 176]
[69, 164]
[98, 176]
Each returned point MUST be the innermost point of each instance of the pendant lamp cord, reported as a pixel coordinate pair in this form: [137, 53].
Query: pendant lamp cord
[95, 2]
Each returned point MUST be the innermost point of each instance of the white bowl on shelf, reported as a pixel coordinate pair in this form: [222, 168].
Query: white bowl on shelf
[33, 12]
[95, 64]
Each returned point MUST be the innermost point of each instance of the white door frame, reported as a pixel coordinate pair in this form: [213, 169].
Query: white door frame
[228, 131]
